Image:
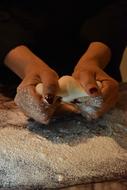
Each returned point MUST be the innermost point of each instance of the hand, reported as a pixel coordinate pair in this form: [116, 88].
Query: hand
[33, 70]
[38, 107]
[87, 75]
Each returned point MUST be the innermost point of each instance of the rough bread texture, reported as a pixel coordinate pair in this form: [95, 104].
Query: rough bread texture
[69, 151]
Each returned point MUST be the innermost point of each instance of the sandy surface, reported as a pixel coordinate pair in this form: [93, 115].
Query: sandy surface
[69, 151]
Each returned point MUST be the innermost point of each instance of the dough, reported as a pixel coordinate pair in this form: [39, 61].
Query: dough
[72, 91]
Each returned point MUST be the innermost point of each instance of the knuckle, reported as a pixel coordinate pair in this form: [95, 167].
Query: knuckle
[76, 75]
[52, 86]
[116, 84]
[54, 73]
[113, 84]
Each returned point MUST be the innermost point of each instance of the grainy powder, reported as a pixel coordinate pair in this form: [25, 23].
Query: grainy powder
[39, 110]
[69, 150]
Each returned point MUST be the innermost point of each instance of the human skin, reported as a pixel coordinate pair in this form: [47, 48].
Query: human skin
[32, 70]
[89, 69]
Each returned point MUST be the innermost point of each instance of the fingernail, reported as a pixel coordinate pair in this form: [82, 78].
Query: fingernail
[93, 90]
[59, 99]
[75, 101]
[49, 98]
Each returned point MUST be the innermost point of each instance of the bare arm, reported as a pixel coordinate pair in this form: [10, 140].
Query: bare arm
[33, 70]
[20, 59]
[96, 51]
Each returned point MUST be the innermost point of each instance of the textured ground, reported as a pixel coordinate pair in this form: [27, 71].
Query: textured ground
[68, 151]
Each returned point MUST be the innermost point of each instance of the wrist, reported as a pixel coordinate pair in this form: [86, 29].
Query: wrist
[20, 60]
[97, 54]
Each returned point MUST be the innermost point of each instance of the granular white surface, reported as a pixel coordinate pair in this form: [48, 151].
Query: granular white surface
[70, 150]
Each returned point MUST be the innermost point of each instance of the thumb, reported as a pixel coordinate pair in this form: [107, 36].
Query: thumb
[88, 82]
[50, 87]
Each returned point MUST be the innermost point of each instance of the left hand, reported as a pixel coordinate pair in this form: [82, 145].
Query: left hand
[87, 75]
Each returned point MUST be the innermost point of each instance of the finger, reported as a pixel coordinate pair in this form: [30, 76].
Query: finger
[50, 86]
[110, 96]
[29, 80]
[88, 82]
[33, 105]
[110, 103]
[109, 88]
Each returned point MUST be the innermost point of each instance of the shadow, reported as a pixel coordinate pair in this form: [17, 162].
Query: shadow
[72, 128]
[69, 129]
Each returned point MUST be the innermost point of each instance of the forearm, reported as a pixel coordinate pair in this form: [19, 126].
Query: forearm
[20, 59]
[97, 53]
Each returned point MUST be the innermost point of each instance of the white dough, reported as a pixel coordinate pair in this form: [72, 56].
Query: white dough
[70, 89]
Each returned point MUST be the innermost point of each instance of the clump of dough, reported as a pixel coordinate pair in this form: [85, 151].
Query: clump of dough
[72, 92]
